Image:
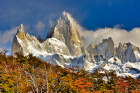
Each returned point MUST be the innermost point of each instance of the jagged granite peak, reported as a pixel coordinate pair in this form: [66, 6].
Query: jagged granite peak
[30, 44]
[40, 39]
[65, 31]
[109, 40]
[21, 32]
[19, 37]
[128, 52]
[106, 48]
[120, 51]
[91, 49]
[63, 19]
[27, 34]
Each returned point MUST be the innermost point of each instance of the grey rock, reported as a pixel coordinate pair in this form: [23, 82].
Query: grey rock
[91, 49]
[64, 31]
[127, 52]
[27, 44]
[53, 45]
[16, 45]
[61, 59]
[106, 48]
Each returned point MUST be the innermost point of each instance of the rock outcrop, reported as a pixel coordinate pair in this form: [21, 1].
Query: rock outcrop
[125, 52]
[53, 45]
[128, 52]
[91, 49]
[67, 33]
[19, 37]
[106, 48]
[27, 44]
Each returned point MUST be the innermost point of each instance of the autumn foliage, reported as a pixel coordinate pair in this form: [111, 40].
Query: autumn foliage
[29, 74]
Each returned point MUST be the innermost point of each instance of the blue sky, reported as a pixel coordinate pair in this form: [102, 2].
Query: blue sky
[35, 15]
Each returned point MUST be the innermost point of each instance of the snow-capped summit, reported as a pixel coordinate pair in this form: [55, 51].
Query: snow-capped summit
[106, 48]
[128, 52]
[125, 52]
[16, 45]
[91, 49]
[20, 32]
[67, 33]
[21, 27]
[64, 13]
[63, 19]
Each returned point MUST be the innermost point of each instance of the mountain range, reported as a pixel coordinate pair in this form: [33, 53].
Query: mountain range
[64, 46]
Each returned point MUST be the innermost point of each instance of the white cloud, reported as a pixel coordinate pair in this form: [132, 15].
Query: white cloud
[118, 26]
[40, 26]
[118, 34]
[7, 36]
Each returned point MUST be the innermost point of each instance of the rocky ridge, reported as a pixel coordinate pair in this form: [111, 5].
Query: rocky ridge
[128, 52]
[106, 48]
[125, 52]
[19, 37]
[64, 31]
[30, 43]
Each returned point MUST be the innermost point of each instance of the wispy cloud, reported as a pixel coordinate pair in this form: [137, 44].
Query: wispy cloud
[40, 26]
[118, 26]
[118, 34]
[7, 36]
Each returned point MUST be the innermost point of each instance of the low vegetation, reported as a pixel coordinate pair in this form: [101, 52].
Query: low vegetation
[29, 74]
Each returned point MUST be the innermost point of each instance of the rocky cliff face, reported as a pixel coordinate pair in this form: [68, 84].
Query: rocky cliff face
[128, 52]
[64, 31]
[19, 37]
[91, 49]
[106, 48]
[27, 44]
[125, 52]
[53, 45]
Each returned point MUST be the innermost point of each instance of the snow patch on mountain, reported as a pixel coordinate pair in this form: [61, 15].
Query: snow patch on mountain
[122, 69]
[137, 56]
